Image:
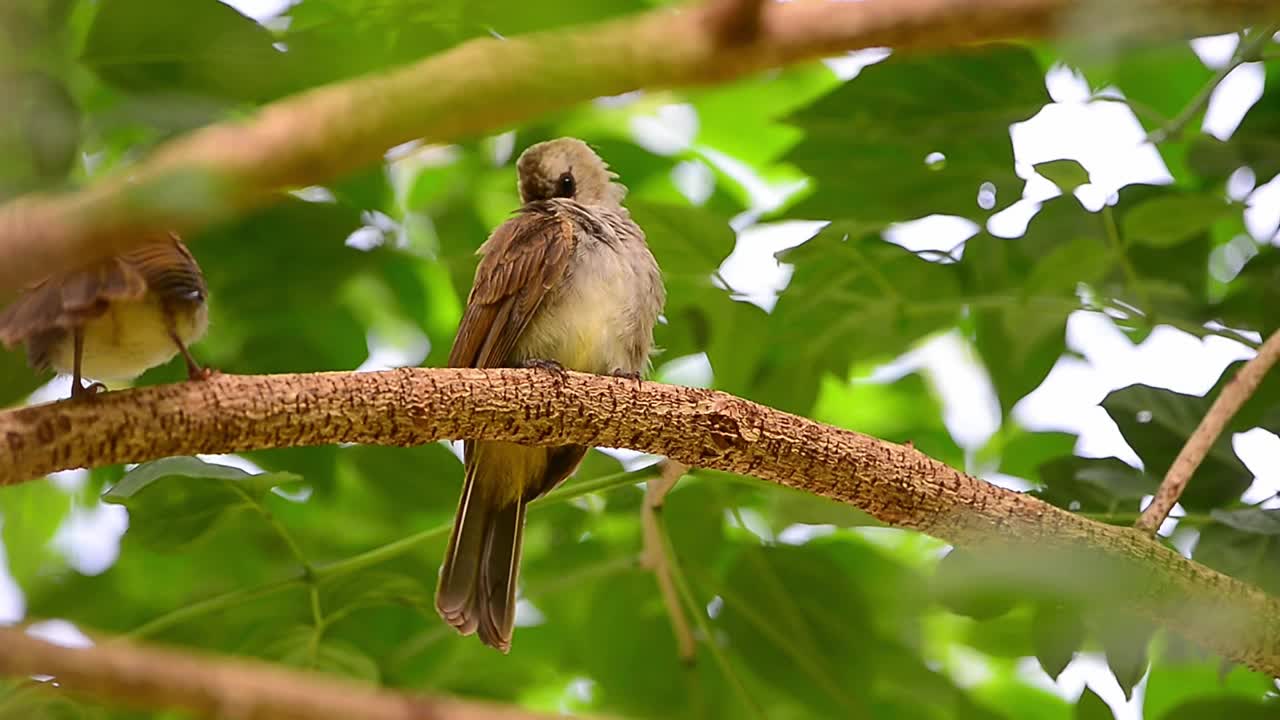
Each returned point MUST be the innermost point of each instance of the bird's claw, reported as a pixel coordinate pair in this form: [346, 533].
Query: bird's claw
[543, 364]
[86, 391]
[204, 373]
[628, 375]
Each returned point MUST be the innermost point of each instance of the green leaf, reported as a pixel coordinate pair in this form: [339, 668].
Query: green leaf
[1244, 553]
[175, 502]
[1067, 174]
[855, 298]
[1250, 520]
[1091, 707]
[30, 515]
[1170, 220]
[190, 47]
[1093, 484]
[17, 381]
[1156, 423]
[1234, 708]
[866, 143]
[962, 583]
[1124, 640]
[305, 647]
[1057, 632]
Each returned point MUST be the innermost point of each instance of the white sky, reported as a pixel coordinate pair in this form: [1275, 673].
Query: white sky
[1104, 137]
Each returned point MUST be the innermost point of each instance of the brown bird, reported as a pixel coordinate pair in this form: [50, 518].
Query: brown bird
[115, 318]
[567, 283]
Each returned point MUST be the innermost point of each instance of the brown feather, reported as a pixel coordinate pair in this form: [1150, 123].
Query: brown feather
[522, 260]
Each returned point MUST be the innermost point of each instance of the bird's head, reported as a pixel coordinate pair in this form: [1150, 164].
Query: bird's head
[567, 168]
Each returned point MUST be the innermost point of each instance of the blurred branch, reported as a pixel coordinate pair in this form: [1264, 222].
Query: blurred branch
[704, 428]
[1248, 50]
[213, 687]
[1236, 393]
[488, 84]
[655, 556]
[734, 22]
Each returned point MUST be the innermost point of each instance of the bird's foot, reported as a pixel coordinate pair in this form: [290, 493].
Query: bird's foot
[543, 364]
[628, 375]
[201, 373]
[79, 391]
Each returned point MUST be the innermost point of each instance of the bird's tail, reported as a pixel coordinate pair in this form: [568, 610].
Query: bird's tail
[477, 590]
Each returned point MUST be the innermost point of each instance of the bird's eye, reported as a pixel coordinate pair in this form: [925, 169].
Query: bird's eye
[565, 186]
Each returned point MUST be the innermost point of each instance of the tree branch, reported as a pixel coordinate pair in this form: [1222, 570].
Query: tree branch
[702, 428]
[1236, 393]
[487, 84]
[211, 687]
[655, 557]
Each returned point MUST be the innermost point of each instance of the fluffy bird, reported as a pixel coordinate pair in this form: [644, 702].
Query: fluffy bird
[568, 282]
[115, 318]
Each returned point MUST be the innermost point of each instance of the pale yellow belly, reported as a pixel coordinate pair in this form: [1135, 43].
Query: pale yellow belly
[128, 340]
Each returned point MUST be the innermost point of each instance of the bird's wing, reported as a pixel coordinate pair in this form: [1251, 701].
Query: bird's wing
[523, 259]
[170, 271]
[57, 304]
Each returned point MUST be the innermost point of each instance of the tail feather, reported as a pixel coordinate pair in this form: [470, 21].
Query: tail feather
[478, 580]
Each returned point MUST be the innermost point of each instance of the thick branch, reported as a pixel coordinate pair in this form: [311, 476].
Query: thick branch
[700, 428]
[210, 687]
[1236, 393]
[488, 84]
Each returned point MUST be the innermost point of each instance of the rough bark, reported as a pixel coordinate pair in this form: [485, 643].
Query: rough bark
[488, 84]
[1062, 552]
[212, 687]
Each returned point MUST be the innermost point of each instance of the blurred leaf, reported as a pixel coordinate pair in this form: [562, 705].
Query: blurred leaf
[961, 584]
[1262, 409]
[189, 47]
[176, 501]
[1250, 520]
[30, 515]
[867, 142]
[1067, 174]
[1253, 291]
[1172, 219]
[305, 647]
[1092, 707]
[1234, 708]
[16, 379]
[1057, 632]
[1242, 553]
[1255, 143]
[1156, 423]
[1125, 640]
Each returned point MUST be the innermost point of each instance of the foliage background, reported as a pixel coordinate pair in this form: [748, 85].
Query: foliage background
[803, 609]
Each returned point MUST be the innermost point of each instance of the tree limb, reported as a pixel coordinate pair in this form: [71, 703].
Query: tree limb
[212, 687]
[701, 428]
[1236, 393]
[487, 84]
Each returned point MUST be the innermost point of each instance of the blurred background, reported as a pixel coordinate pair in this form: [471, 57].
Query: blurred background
[1038, 263]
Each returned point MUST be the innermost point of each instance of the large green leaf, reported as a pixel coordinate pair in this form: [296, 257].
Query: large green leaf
[1156, 423]
[867, 142]
[176, 501]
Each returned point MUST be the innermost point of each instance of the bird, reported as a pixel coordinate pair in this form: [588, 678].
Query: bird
[114, 318]
[568, 282]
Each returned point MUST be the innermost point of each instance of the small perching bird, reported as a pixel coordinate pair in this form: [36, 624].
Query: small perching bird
[568, 282]
[115, 318]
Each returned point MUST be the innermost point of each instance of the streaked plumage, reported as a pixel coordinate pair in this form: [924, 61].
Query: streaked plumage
[568, 280]
[114, 319]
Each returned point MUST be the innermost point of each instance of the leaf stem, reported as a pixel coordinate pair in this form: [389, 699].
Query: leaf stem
[1248, 50]
[355, 563]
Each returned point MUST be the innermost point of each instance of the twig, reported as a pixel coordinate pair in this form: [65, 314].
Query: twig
[704, 428]
[216, 687]
[488, 84]
[1249, 50]
[1233, 396]
[654, 557]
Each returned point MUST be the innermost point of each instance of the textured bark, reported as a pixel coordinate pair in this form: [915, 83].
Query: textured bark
[211, 687]
[701, 428]
[488, 84]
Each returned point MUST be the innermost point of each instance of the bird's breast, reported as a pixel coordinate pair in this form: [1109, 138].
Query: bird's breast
[131, 338]
[601, 319]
